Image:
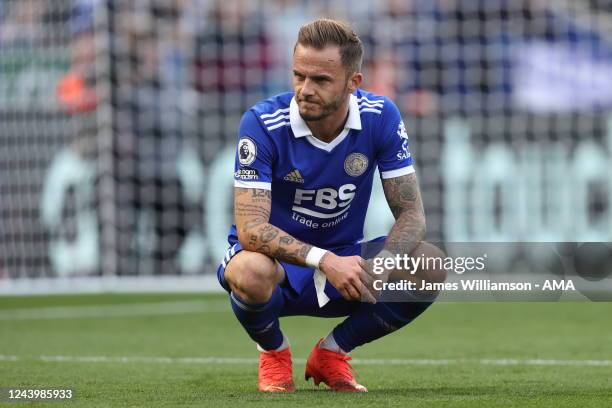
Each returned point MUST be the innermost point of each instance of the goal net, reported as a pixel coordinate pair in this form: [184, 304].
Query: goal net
[118, 122]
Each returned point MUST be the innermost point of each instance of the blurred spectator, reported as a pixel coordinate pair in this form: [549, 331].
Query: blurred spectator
[234, 54]
[283, 19]
[22, 23]
[150, 116]
[82, 27]
[601, 6]
[76, 90]
[394, 32]
[472, 56]
[565, 63]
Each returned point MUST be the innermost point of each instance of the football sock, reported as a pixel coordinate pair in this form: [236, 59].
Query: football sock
[373, 321]
[261, 320]
[329, 343]
[285, 344]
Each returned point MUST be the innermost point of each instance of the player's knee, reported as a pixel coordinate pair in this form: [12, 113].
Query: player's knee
[252, 276]
[435, 272]
[432, 270]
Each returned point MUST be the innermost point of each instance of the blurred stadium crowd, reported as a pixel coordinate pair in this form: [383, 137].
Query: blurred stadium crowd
[439, 55]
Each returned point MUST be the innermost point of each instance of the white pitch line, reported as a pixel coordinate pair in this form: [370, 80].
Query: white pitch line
[365, 361]
[543, 362]
[115, 310]
[148, 360]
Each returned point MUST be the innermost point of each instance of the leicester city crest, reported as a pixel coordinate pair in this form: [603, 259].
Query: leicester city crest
[355, 164]
[246, 151]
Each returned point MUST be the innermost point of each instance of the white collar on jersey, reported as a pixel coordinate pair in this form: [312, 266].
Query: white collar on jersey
[300, 129]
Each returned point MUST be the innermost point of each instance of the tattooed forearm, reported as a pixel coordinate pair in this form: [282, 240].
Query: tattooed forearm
[267, 233]
[293, 257]
[252, 213]
[405, 202]
[286, 240]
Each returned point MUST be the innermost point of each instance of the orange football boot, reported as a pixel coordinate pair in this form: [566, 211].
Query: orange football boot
[275, 372]
[333, 369]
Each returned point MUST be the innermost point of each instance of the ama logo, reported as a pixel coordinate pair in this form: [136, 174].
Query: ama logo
[404, 153]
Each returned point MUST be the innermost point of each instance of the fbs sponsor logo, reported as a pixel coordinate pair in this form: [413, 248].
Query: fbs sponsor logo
[319, 203]
[314, 224]
[294, 176]
[246, 174]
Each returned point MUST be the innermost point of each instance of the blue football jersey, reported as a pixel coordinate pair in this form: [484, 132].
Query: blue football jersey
[320, 191]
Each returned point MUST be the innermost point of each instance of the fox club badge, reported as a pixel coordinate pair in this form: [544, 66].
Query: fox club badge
[355, 164]
[246, 151]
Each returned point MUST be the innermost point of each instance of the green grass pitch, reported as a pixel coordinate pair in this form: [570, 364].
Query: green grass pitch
[150, 351]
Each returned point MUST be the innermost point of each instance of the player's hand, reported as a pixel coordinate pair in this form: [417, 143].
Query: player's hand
[348, 275]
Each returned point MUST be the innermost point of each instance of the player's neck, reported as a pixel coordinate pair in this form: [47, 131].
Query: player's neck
[329, 128]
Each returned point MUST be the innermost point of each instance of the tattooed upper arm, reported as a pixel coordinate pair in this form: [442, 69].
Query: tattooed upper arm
[402, 194]
[251, 207]
[405, 202]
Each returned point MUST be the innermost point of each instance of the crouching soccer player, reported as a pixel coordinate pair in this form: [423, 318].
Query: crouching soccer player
[303, 176]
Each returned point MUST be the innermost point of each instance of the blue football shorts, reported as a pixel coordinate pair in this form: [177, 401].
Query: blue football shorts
[298, 287]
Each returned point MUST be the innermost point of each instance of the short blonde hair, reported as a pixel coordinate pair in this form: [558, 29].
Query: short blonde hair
[324, 32]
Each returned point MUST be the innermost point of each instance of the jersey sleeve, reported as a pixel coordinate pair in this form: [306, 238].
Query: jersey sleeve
[254, 154]
[394, 158]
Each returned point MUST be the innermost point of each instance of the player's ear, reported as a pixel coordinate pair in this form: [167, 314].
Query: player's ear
[355, 81]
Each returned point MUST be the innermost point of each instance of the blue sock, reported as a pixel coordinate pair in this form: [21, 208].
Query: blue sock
[370, 322]
[261, 320]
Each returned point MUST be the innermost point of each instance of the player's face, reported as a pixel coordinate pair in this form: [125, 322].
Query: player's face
[320, 81]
